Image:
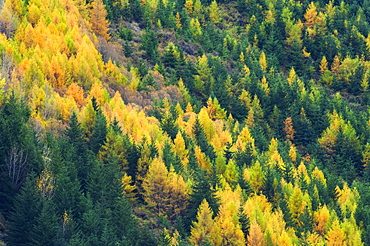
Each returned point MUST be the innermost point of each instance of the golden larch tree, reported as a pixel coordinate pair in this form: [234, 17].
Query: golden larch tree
[213, 12]
[255, 237]
[311, 15]
[99, 22]
[288, 128]
[202, 230]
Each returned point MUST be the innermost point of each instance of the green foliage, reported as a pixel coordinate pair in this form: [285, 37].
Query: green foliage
[216, 68]
[149, 44]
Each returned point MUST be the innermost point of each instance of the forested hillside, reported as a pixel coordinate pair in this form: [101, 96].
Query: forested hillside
[196, 122]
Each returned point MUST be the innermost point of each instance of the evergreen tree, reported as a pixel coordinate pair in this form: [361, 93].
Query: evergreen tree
[202, 141]
[24, 218]
[76, 152]
[201, 190]
[99, 130]
[150, 44]
[18, 149]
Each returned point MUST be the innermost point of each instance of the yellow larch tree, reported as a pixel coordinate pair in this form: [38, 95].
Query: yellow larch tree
[229, 225]
[213, 12]
[244, 141]
[178, 21]
[321, 218]
[214, 109]
[347, 199]
[255, 237]
[311, 15]
[203, 161]
[207, 124]
[189, 7]
[336, 235]
[288, 128]
[335, 65]
[297, 203]
[265, 85]
[156, 187]
[231, 173]
[274, 156]
[77, 93]
[323, 65]
[98, 19]
[366, 156]
[178, 193]
[198, 8]
[263, 62]
[195, 28]
[180, 149]
[203, 228]
[255, 176]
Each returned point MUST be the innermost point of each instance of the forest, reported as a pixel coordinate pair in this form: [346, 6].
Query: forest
[184, 122]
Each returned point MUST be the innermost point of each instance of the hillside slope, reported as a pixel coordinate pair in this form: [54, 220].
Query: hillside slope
[184, 122]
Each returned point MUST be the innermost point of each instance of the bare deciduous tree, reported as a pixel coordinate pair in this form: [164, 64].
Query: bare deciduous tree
[16, 162]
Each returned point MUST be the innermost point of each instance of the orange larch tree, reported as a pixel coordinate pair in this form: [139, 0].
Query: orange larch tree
[99, 22]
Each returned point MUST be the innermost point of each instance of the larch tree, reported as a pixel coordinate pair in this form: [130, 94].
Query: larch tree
[255, 237]
[99, 22]
[156, 186]
[311, 15]
[213, 12]
[201, 231]
[288, 128]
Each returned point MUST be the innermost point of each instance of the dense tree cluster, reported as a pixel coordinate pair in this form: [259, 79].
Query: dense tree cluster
[197, 122]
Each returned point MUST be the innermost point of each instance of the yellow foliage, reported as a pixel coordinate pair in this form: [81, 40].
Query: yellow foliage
[246, 98]
[77, 93]
[128, 188]
[189, 6]
[265, 85]
[255, 237]
[231, 173]
[178, 21]
[274, 155]
[288, 128]
[336, 236]
[98, 20]
[244, 139]
[323, 65]
[347, 199]
[46, 180]
[365, 154]
[195, 28]
[293, 153]
[207, 124]
[214, 109]
[179, 146]
[202, 230]
[319, 175]
[66, 106]
[154, 185]
[256, 208]
[255, 176]
[222, 136]
[203, 161]
[263, 62]
[292, 76]
[311, 15]
[321, 217]
[213, 12]
[337, 125]
[229, 225]
[315, 239]
[335, 65]
[99, 93]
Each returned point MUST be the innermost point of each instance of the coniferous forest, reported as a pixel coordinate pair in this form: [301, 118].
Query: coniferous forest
[185, 122]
